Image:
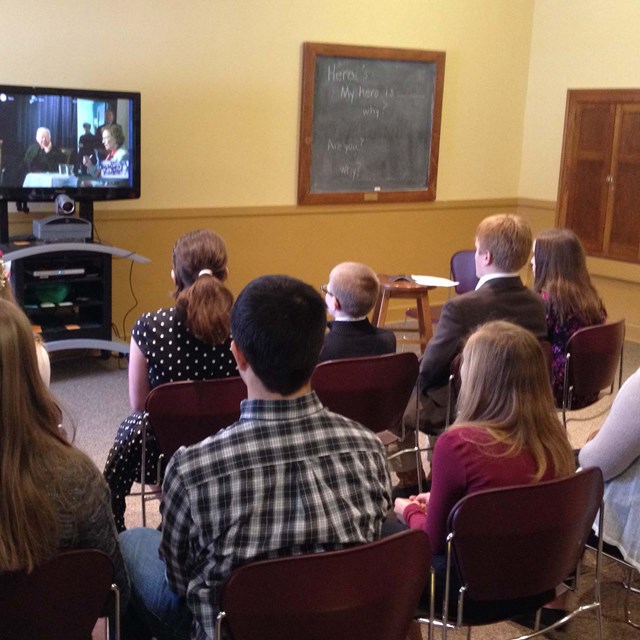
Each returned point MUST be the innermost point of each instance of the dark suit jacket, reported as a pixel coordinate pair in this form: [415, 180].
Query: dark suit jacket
[355, 339]
[497, 299]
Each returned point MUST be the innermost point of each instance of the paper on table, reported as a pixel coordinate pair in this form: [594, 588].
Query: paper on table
[433, 281]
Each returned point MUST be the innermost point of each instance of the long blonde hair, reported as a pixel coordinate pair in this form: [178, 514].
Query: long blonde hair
[505, 389]
[32, 449]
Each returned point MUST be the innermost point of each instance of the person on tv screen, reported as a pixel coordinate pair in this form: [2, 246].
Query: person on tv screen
[116, 162]
[109, 119]
[43, 156]
[87, 141]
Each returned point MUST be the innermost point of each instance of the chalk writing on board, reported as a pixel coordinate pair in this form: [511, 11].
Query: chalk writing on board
[368, 121]
[371, 125]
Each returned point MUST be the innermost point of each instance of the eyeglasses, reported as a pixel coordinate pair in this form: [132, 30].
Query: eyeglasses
[325, 289]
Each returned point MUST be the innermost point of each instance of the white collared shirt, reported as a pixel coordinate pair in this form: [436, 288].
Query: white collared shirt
[348, 319]
[492, 276]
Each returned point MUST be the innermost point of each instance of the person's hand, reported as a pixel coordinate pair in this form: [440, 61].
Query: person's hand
[422, 499]
[87, 162]
[399, 506]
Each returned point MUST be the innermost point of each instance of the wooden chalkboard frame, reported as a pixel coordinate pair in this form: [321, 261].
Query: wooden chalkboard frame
[311, 53]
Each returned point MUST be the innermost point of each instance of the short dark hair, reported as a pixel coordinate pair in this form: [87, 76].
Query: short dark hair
[278, 323]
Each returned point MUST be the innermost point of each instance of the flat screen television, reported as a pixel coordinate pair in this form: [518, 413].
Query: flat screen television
[78, 142]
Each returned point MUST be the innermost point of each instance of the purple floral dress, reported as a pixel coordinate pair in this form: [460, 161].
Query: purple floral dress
[558, 335]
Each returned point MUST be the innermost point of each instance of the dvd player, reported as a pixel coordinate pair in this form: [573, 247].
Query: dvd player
[48, 273]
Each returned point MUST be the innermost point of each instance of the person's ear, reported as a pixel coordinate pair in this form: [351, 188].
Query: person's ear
[241, 361]
[173, 276]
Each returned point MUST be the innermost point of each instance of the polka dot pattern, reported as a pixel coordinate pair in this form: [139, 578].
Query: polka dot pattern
[172, 354]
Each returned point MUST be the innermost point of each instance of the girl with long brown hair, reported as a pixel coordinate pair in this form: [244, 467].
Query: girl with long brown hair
[189, 341]
[52, 496]
[571, 301]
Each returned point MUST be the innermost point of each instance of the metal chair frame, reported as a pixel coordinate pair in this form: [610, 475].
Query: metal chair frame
[627, 582]
[465, 562]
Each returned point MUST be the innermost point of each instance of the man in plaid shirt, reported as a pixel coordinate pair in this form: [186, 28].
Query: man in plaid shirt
[289, 477]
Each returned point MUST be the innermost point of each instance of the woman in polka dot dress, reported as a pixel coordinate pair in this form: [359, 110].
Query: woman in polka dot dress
[189, 341]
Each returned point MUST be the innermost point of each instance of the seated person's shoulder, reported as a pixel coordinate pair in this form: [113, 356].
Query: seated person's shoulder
[387, 335]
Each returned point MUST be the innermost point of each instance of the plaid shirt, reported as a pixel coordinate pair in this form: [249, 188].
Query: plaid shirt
[289, 477]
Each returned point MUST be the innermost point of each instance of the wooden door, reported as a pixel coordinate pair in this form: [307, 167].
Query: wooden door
[599, 191]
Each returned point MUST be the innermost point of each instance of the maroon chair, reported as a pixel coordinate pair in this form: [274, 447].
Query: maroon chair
[366, 592]
[510, 548]
[183, 413]
[373, 391]
[59, 600]
[593, 358]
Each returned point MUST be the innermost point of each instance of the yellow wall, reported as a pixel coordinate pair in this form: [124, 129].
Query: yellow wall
[221, 90]
[221, 83]
[302, 241]
[579, 44]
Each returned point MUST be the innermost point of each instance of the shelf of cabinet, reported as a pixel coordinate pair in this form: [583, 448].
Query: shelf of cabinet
[65, 290]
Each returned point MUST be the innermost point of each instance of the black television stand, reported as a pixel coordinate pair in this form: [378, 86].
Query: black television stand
[65, 287]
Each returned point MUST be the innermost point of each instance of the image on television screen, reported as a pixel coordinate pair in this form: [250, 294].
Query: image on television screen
[85, 144]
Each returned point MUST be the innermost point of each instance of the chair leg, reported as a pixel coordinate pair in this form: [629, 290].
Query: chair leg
[143, 474]
[629, 588]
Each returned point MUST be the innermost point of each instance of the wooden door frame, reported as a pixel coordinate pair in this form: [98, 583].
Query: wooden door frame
[575, 97]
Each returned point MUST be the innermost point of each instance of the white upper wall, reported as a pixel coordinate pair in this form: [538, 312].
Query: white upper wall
[576, 44]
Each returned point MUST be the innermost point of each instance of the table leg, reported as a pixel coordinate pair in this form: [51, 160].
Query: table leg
[380, 310]
[424, 319]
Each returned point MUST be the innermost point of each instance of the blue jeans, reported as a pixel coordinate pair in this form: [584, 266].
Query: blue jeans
[165, 614]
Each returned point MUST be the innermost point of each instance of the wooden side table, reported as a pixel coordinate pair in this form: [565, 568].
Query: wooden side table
[390, 288]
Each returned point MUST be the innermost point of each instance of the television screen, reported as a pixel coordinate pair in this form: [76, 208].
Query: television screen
[84, 144]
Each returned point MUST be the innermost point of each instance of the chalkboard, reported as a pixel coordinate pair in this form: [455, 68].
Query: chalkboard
[370, 124]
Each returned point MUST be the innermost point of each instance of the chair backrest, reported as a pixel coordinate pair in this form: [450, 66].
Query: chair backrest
[60, 600]
[183, 413]
[520, 541]
[594, 356]
[374, 391]
[367, 592]
[463, 270]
